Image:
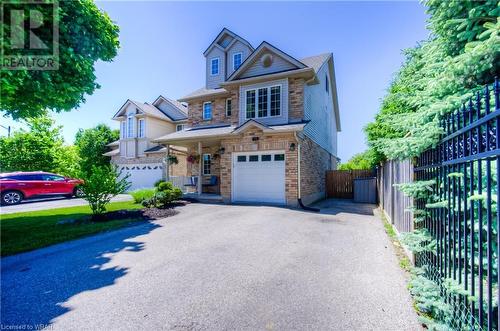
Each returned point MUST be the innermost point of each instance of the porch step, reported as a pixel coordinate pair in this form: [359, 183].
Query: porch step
[204, 197]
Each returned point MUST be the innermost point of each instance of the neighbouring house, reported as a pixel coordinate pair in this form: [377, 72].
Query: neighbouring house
[136, 153]
[264, 127]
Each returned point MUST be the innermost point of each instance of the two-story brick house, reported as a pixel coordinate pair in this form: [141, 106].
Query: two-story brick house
[264, 125]
[135, 153]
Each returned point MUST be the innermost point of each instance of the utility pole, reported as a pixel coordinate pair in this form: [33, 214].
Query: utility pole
[6, 128]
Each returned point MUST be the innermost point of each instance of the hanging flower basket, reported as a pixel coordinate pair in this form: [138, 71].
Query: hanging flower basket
[193, 158]
[172, 159]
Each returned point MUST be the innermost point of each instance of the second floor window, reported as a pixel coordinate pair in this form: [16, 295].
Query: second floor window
[237, 59]
[207, 111]
[124, 130]
[263, 102]
[214, 66]
[179, 127]
[141, 131]
[229, 107]
[327, 85]
[130, 126]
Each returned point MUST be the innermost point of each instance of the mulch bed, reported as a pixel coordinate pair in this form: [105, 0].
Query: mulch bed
[147, 214]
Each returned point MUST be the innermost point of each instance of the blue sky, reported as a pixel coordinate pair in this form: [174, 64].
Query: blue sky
[162, 46]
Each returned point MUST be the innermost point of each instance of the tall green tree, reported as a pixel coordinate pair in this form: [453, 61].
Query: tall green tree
[362, 161]
[91, 145]
[461, 54]
[86, 35]
[41, 147]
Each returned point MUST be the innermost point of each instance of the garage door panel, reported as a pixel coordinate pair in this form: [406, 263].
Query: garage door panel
[261, 181]
[142, 175]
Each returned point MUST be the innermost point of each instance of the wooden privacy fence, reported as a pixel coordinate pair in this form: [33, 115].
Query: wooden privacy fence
[396, 205]
[340, 183]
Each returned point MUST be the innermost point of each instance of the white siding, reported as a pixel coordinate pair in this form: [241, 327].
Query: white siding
[282, 119]
[214, 81]
[318, 108]
[237, 47]
[257, 69]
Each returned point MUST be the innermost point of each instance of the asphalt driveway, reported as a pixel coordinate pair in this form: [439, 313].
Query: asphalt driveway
[51, 203]
[217, 267]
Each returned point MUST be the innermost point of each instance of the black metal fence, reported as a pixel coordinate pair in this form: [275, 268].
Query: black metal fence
[464, 221]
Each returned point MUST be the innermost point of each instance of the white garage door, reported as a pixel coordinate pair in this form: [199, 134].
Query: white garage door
[259, 177]
[142, 175]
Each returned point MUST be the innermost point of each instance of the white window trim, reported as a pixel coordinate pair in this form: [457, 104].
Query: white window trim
[130, 133]
[218, 66]
[234, 55]
[179, 125]
[139, 133]
[256, 89]
[211, 111]
[203, 164]
[229, 99]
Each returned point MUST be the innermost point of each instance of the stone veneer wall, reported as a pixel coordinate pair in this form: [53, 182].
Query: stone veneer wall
[244, 143]
[315, 161]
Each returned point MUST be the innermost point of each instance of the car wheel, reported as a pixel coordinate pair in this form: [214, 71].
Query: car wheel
[78, 192]
[11, 198]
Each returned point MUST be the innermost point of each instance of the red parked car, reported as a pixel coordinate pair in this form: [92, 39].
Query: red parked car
[17, 186]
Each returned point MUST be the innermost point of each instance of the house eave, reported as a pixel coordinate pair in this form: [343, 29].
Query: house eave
[306, 73]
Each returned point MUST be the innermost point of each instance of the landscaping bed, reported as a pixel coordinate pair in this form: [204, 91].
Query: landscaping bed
[21, 232]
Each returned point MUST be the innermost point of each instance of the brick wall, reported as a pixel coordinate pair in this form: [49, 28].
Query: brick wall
[244, 143]
[296, 98]
[315, 161]
[195, 110]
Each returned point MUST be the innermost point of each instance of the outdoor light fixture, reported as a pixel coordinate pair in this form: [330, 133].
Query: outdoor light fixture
[222, 150]
[292, 147]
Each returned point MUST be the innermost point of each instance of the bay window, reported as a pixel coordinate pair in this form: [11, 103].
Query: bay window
[263, 102]
[140, 130]
[130, 126]
[124, 130]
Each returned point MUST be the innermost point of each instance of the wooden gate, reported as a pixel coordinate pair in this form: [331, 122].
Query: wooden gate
[339, 183]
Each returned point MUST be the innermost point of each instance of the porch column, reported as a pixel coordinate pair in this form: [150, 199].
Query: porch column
[167, 163]
[200, 167]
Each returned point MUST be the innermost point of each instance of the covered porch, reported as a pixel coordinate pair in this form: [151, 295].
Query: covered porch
[204, 154]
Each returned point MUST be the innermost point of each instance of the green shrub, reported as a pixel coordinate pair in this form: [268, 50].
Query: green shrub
[164, 195]
[142, 194]
[100, 185]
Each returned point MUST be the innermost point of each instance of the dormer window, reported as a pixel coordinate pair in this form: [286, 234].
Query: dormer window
[237, 59]
[207, 111]
[214, 66]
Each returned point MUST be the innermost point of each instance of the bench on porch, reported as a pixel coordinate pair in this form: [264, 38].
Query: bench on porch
[212, 182]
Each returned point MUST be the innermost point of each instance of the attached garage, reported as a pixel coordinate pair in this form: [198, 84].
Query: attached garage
[259, 177]
[142, 175]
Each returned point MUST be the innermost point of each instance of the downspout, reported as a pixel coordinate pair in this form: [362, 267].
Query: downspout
[301, 204]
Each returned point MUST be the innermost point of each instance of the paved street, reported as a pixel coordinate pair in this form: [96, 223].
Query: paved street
[51, 203]
[217, 267]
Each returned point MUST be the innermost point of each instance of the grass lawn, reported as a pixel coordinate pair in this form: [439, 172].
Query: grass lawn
[26, 231]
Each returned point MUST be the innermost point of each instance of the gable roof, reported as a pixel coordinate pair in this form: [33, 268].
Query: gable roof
[223, 33]
[173, 114]
[177, 112]
[265, 46]
[316, 61]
